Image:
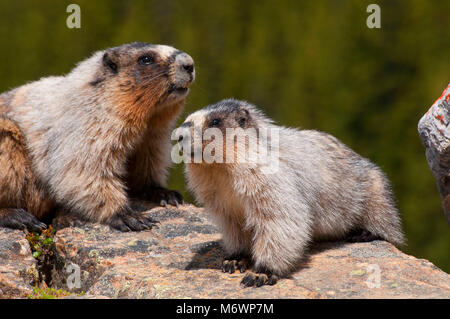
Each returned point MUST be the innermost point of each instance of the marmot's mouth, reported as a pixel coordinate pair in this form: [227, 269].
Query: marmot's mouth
[181, 90]
[177, 89]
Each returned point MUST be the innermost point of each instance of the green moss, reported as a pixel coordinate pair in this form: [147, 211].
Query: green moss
[50, 293]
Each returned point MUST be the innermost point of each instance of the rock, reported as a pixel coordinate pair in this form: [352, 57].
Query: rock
[18, 269]
[182, 259]
[435, 135]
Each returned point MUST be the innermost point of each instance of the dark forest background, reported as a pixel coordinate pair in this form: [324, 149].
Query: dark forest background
[308, 64]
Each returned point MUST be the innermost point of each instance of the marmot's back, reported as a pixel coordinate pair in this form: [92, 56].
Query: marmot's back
[346, 186]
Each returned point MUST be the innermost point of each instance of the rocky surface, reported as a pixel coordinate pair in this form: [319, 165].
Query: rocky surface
[435, 134]
[182, 259]
[18, 269]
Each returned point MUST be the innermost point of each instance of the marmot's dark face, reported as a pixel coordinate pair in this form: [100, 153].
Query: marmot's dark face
[145, 76]
[147, 65]
[225, 114]
[226, 117]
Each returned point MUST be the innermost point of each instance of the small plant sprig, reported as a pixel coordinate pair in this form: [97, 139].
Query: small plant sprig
[41, 243]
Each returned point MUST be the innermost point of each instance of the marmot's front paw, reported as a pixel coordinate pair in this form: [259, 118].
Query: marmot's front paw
[18, 218]
[231, 264]
[129, 220]
[164, 196]
[259, 279]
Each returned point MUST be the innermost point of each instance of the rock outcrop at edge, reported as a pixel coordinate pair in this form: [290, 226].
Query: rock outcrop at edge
[435, 135]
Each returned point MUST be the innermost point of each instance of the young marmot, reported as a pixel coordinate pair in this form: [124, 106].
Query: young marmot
[318, 189]
[90, 140]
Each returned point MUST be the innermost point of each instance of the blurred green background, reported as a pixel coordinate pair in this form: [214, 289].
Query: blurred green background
[309, 64]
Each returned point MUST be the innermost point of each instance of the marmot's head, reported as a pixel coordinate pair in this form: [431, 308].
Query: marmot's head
[222, 126]
[141, 78]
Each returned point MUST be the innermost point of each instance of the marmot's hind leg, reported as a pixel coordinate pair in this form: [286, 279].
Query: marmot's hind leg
[21, 201]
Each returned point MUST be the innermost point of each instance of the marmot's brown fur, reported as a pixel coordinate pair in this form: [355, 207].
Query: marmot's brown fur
[89, 140]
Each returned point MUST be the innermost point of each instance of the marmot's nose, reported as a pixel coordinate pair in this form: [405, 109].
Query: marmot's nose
[186, 62]
[189, 68]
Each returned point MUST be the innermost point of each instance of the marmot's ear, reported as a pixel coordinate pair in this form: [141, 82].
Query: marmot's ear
[108, 62]
[244, 117]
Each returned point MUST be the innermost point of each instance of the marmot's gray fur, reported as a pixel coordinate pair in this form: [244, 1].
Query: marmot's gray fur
[89, 140]
[322, 191]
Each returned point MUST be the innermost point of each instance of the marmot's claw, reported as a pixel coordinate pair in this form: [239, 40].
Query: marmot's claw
[175, 198]
[164, 196]
[229, 266]
[233, 264]
[259, 279]
[149, 221]
[132, 221]
[121, 226]
[243, 265]
[21, 219]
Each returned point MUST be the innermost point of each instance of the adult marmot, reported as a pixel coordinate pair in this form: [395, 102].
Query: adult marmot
[272, 208]
[89, 140]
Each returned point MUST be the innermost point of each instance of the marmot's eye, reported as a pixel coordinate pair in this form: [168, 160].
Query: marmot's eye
[145, 60]
[215, 122]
